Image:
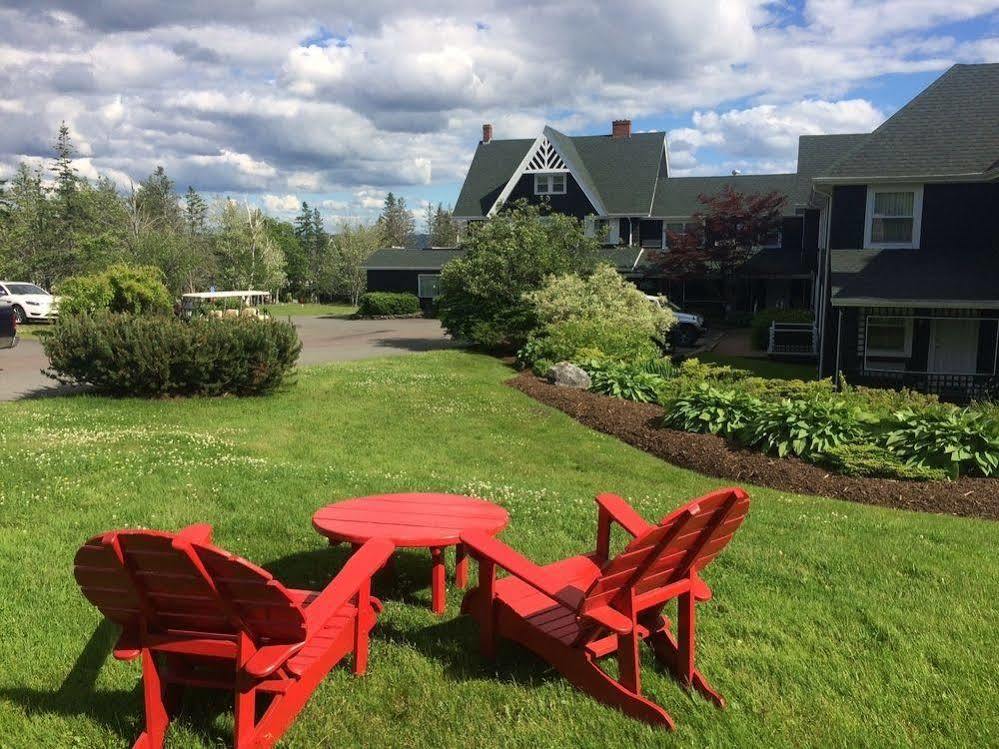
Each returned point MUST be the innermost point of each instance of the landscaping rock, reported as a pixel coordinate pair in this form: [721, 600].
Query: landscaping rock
[568, 375]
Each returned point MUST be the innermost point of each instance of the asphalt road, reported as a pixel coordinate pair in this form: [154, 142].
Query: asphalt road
[324, 339]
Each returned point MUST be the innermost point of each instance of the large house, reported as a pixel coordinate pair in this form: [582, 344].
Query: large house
[909, 267]
[890, 237]
[620, 186]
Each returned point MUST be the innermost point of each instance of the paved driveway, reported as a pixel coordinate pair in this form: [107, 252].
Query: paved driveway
[324, 339]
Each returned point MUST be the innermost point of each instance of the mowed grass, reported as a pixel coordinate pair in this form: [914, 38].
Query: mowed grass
[294, 309]
[833, 624]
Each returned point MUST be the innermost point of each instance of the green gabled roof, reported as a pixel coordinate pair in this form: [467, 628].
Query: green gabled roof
[679, 196]
[816, 153]
[393, 259]
[622, 258]
[622, 173]
[950, 129]
[488, 174]
[624, 170]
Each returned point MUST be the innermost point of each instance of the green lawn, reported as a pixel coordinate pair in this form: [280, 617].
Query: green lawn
[293, 309]
[780, 370]
[833, 624]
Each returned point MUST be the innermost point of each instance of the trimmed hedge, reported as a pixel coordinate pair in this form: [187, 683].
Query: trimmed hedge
[388, 304]
[151, 356]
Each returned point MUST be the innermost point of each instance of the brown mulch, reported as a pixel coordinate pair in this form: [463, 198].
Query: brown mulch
[636, 424]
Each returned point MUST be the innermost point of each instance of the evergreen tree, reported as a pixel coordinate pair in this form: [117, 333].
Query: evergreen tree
[195, 212]
[158, 201]
[445, 231]
[396, 222]
[429, 217]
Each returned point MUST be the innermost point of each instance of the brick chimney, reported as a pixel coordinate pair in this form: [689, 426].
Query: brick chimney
[487, 133]
[621, 129]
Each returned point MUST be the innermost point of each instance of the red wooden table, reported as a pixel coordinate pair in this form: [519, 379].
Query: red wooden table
[433, 521]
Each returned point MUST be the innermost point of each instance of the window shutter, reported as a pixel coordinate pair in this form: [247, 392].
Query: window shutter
[614, 235]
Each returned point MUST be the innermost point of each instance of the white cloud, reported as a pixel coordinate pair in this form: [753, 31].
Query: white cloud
[324, 97]
[765, 138]
[281, 203]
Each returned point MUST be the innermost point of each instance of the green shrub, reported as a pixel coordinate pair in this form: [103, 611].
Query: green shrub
[956, 440]
[622, 381]
[565, 341]
[704, 408]
[886, 401]
[769, 389]
[120, 288]
[865, 460]
[660, 366]
[806, 428]
[514, 252]
[162, 355]
[760, 327]
[696, 370]
[387, 304]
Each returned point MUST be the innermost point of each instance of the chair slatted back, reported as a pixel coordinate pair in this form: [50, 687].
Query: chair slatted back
[175, 587]
[684, 542]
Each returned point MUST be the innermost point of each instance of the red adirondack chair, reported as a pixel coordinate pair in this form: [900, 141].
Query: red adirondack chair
[574, 612]
[201, 617]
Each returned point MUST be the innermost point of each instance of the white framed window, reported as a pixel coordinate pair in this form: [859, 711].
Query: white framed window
[551, 183]
[427, 285]
[893, 216]
[889, 336]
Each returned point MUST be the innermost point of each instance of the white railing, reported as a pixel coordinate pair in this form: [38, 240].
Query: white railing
[799, 338]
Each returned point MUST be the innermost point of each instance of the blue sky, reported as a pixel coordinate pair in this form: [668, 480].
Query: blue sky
[337, 103]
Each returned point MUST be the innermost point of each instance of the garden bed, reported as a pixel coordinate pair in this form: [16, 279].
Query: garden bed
[636, 424]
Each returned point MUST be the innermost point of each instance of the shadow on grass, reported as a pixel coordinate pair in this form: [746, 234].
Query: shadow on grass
[119, 710]
[451, 642]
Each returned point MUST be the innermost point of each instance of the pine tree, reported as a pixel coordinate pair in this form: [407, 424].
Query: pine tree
[396, 222]
[158, 202]
[303, 224]
[445, 231]
[195, 212]
[428, 219]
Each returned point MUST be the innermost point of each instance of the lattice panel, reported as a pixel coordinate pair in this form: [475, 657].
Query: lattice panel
[546, 159]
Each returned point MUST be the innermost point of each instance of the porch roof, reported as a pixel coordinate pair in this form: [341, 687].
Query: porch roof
[913, 278]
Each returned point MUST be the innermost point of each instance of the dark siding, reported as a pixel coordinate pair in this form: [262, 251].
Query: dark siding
[393, 280]
[960, 217]
[790, 232]
[810, 230]
[849, 208]
[573, 203]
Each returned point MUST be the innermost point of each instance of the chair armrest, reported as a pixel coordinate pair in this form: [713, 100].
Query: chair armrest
[608, 617]
[360, 568]
[623, 514]
[483, 546]
[269, 659]
[199, 533]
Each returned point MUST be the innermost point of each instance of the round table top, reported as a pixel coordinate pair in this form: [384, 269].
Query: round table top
[409, 519]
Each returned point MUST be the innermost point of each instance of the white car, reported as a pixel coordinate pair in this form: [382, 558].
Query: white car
[30, 302]
[689, 327]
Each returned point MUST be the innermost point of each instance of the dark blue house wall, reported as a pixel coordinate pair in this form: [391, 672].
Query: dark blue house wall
[573, 203]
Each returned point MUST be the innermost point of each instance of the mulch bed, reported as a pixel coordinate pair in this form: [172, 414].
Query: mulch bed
[636, 424]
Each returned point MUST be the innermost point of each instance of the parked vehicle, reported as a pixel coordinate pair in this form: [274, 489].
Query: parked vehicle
[29, 302]
[8, 326]
[689, 327]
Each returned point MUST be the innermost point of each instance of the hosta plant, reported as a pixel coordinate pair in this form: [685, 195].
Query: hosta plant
[707, 409]
[958, 440]
[622, 381]
[806, 428]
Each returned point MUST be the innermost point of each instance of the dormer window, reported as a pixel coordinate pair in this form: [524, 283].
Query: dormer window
[549, 183]
[893, 216]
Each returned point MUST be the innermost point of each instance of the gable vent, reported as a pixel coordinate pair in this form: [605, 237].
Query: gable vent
[546, 159]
